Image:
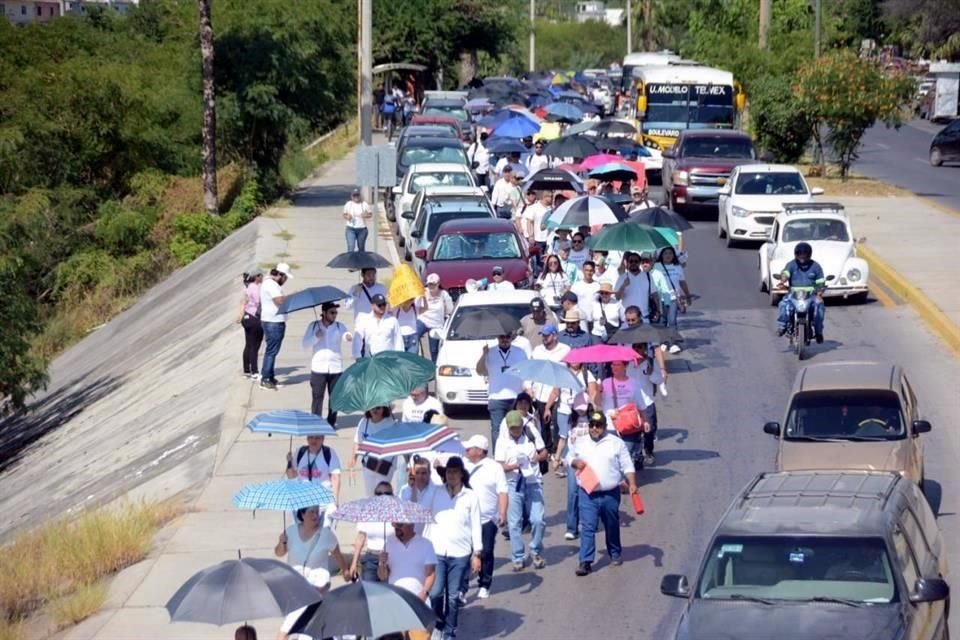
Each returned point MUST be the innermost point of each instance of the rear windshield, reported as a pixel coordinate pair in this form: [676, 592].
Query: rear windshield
[421, 155]
[845, 415]
[515, 310]
[815, 229]
[761, 184]
[441, 178]
[454, 112]
[438, 217]
[719, 147]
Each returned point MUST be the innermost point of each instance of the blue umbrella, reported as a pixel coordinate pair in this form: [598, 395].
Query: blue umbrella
[477, 104]
[565, 110]
[496, 119]
[312, 297]
[547, 372]
[503, 146]
[613, 171]
[282, 495]
[516, 128]
[291, 423]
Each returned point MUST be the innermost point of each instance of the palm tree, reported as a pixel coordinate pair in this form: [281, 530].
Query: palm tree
[651, 33]
[208, 149]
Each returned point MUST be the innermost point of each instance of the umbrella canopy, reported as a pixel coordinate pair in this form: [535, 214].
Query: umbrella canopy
[503, 146]
[358, 260]
[282, 495]
[238, 590]
[613, 171]
[660, 217]
[581, 127]
[594, 161]
[627, 236]
[585, 211]
[548, 131]
[606, 127]
[644, 333]
[570, 146]
[368, 609]
[671, 235]
[547, 372]
[291, 422]
[379, 380]
[516, 128]
[565, 110]
[383, 509]
[601, 353]
[553, 180]
[478, 104]
[309, 298]
[481, 322]
[406, 438]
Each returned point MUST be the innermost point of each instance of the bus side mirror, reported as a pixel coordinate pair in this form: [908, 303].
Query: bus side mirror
[741, 101]
[642, 104]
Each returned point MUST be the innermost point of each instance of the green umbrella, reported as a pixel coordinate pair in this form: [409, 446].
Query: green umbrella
[628, 236]
[379, 380]
[670, 235]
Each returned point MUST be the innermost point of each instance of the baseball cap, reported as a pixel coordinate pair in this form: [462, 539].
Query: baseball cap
[497, 269]
[569, 296]
[548, 329]
[536, 304]
[572, 316]
[284, 268]
[507, 169]
[433, 278]
[355, 192]
[514, 418]
[478, 441]
[329, 305]
[377, 299]
[636, 190]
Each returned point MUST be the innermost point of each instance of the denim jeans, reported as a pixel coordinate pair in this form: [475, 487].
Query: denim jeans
[445, 590]
[573, 503]
[273, 332]
[530, 499]
[488, 531]
[669, 315]
[356, 237]
[411, 343]
[786, 313]
[594, 508]
[498, 410]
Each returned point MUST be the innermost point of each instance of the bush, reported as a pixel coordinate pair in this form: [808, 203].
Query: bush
[83, 272]
[780, 124]
[193, 234]
[121, 231]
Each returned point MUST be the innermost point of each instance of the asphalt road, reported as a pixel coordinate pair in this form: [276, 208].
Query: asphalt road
[901, 157]
[734, 375]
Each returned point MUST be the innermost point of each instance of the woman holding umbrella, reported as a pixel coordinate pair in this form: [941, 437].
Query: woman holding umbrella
[375, 470]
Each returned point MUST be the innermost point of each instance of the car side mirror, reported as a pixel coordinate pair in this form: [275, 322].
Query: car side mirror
[929, 590]
[421, 253]
[396, 191]
[669, 154]
[407, 215]
[675, 585]
[415, 233]
[921, 426]
[816, 191]
[724, 190]
[772, 428]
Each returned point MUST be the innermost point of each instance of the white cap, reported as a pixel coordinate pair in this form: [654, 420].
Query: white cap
[478, 441]
[433, 278]
[284, 268]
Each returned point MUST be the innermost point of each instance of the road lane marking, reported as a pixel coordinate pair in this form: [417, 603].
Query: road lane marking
[882, 296]
[885, 147]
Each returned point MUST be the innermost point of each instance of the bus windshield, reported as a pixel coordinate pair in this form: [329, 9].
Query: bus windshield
[689, 106]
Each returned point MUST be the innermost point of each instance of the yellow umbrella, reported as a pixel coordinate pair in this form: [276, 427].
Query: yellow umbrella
[548, 131]
[559, 79]
[404, 286]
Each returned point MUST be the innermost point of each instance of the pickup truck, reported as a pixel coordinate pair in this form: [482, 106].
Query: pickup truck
[699, 164]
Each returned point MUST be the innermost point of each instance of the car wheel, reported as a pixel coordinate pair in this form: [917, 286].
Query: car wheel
[391, 213]
[730, 241]
[400, 240]
[763, 282]
[936, 157]
[720, 231]
[407, 255]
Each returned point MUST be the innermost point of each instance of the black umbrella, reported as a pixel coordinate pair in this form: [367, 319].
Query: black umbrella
[482, 323]
[368, 609]
[570, 146]
[620, 145]
[660, 217]
[644, 333]
[553, 180]
[358, 260]
[238, 590]
[312, 297]
[605, 127]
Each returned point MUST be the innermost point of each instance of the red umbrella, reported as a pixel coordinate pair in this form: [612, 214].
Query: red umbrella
[594, 161]
[569, 166]
[601, 353]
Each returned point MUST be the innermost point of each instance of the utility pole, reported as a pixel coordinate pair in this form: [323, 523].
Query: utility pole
[629, 28]
[366, 72]
[533, 36]
[816, 28]
[764, 22]
[208, 147]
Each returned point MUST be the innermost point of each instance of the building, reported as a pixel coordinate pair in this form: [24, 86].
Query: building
[591, 10]
[22, 12]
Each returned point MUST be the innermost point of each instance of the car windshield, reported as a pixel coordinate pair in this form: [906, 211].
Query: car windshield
[718, 147]
[433, 178]
[477, 246]
[424, 155]
[439, 216]
[809, 229]
[775, 183]
[515, 310]
[845, 415]
[453, 112]
[855, 570]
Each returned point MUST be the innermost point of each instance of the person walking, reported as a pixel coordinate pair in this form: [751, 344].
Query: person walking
[416, 405]
[273, 322]
[480, 160]
[537, 232]
[457, 541]
[520, 452]
[376, 332]
[489, 481]
[506, 196]
[316, 462]
[552, 282]
[573, 426]
[608, 313]
[325, 336]
[408, 561]
[420, 484]
[498, 282]
[532, 323]
[603, 456]
[545, 396]
[502, 387]
[646, 373]
[586, 289]
[616, 392]
[406, 315]
[250, 321]
[370, 543]
[434, 307]
[356, 212]
[375, 469]
[675, 298]
[361, 294]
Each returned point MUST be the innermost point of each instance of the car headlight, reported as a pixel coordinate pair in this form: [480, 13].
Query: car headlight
[522, 284]
[854, 275]
[739, 212]
[680, 177]
[452, 371]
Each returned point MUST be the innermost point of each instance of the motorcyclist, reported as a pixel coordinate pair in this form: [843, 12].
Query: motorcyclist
[803, 273]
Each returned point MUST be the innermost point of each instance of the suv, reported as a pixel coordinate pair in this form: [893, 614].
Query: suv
[699, 164]
[945, 146]
[820, 554]
[852, 415]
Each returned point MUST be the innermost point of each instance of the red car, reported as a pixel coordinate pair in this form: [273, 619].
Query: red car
[469, 249]
[439, 120]
[699, 164]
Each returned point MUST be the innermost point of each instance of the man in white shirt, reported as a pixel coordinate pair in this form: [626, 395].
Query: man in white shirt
[361, 295]
[636, 285]
[325, 336]
[537, 160]
[521, 219]
[602, 457]
[477, 153]
[536, 233]
[639, 199]
[420, 485]
[408, 561]
[497, 281]
[356, 212]
[502, 387]
[544, 396]
[273, 322]
[489, 482]
[520, 452]
[608, 313]
[376, 332]
[417, 404]
[505, 196]
[586, 289]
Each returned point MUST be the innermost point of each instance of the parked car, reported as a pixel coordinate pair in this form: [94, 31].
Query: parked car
[453, 108]
[699, 164]
[852, 415]
[428, 150]
[423, 175]
[810, 555]
[435, 206]
[754, 195]
[457, 380]
[439, 121]
[825, 226]
[945, 146]
[469, 250]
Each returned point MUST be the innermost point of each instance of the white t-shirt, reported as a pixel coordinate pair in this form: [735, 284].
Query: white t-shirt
[541, 391]
[522, 452]
[311, 557]
[407, 320]
[565, 404]
[533, 216]
[372, 336]
[503, 285]
[502, 385]
[488, 481]
[269, 312]
[356, 210]
[552, 286]
[586, 297]
[637, 293]
[314, 468]
[374, 532]
[674, 275]
[537, 162]
[612, 311]
[360, 303]
[408, 562]
[436, 310]
[578, 257]
[413, 412]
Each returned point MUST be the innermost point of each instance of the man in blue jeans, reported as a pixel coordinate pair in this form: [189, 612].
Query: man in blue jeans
[273, 322]
[803, 273]
[502, 387]
[601, 462]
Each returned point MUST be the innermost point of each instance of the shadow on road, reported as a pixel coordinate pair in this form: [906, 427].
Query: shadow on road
[934, 492]
[640, 551]
[679, 433]
[666, 456]
[488, 622]
[325, 196]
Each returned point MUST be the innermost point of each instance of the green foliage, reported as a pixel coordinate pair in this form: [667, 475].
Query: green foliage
[598, 45]
[122, 231]
[194, 233]
[21, 372]
[778, 120]
[82, 272]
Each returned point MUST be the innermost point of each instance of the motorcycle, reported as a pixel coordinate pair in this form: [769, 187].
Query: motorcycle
[800, 327]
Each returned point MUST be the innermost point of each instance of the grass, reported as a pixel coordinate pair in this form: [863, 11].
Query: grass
[337, 145]
[284, 235]
[855, 185]
[62, 563]
[10, 630]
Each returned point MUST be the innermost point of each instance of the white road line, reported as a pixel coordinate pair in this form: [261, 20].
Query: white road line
[885, 147]
[922, 160]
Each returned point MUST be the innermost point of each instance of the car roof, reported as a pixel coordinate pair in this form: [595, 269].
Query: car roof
[477, 225]
[431, 143]
[427, 130]
[715, 133]
[490, 298]
[438, 167]
[768, 168]
[453, 190]
[842, 503]
[444, 102]
[831, 376]
[430, 119]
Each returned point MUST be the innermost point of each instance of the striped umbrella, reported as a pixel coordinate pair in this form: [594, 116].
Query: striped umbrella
[585, 211]
[406, 438]
[383, 509]
[290, 422]
[282, 495]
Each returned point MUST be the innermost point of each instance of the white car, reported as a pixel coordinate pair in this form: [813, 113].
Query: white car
[423, 175]
[825, 226]
[457, 380]
[754, 195]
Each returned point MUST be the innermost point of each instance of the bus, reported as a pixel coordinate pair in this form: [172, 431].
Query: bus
[632, 63]
[685, 96]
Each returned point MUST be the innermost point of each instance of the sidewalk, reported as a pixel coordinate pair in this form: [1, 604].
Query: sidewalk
[911, 247]
[307, 234]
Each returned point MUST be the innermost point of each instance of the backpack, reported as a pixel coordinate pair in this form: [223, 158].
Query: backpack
[324, 449]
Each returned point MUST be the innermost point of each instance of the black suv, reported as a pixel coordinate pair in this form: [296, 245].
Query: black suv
[946, 144]
[808, 555]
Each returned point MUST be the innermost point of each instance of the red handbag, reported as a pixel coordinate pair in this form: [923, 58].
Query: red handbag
[628, 421]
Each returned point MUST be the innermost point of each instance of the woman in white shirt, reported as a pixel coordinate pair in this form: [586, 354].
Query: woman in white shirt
[356, 212]
[406, 315]
[375, 470]
[370, 541]
[607, 312]
[434, 307]
[553, 282]
[573, 426]
[675, 297]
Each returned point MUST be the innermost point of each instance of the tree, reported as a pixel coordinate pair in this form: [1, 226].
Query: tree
[778, 120]
[208, 150]
[21, 372]
[925, 27]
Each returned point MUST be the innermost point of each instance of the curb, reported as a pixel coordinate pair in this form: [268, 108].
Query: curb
[929, 312]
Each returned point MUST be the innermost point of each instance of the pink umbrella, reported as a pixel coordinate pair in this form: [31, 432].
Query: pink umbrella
[601, 353]
[594, 161]
[568, 166]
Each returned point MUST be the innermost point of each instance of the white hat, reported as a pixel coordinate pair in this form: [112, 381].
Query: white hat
[478, 441]
[433, 278]
[284, 268]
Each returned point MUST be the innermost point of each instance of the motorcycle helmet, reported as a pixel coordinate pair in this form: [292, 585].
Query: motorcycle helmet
[803, 251]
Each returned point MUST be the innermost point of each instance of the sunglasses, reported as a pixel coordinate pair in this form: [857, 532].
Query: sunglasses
[383, 493]
[380, 304]
[597, 425]
[578, 242]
